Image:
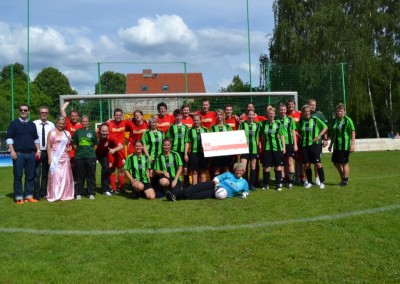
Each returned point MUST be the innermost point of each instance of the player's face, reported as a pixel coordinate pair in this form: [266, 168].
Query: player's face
[85, 122]
[313, 106]
[290, 106]
[23, 112]
[271, 115]
[166, 146]
[178, 118]
[340, 113]
[138, 147]
[138, 117]
[153, 125]
[220, 117]
[162, 111]
[306, 113]
[282, 111]
[196, 121]
[104, 132]
[186, 111]
[239, 172]
[74, 117]
[60, 125]
[250, 116]
[205, 106]
[118, 116]
[228, 111]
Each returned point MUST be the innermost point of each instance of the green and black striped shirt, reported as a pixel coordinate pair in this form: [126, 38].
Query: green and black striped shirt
[170, 163]
[271, 133]
[138, 167]
[193, 136]
[252, 132]
[177, 133]
[153, 141]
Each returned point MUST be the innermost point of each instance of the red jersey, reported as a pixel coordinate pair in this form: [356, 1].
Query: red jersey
[135, 134]
[296, 115]
[102, 147]
[117, 130]
[71, 128]
[163, 123]
[257, 118]
[207, 119]
[232, 122]
[188, 121]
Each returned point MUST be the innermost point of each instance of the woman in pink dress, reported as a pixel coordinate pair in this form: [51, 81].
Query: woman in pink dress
[60, 184]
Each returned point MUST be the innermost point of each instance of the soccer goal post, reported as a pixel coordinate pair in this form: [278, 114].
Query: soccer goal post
[100, 107]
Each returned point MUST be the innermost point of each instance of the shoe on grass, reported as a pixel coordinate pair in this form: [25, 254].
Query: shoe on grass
[31, 200]
[170, 196]
[78, 197]
[20, 201]
[91, 197]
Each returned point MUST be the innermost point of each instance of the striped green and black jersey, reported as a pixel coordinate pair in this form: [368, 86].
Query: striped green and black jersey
[342, 130]
[220, 128]
[251, 131]
[193, 136]
[288, 126]
[170, 163]
[270, 133]
[177, 134]
[309, 129]
[138, 167]
[153, 141]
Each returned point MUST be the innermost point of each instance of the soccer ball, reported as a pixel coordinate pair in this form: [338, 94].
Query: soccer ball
[220, 193]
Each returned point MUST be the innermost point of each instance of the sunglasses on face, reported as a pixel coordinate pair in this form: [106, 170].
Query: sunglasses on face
[23, 110]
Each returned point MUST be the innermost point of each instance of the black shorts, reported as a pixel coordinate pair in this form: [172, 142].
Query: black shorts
[340, 156]
[311, 154]
[289, 151]
[197, 162]
[249, 157]
[272, 159]
[222, 161]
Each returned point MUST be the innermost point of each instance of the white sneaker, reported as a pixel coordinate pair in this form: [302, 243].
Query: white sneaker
[265, 187]
[91, 197]
[307, 185]
[290, 185]
[317, 181]
[107, 193]
[78, 197]
[322, 186]
[279, 188]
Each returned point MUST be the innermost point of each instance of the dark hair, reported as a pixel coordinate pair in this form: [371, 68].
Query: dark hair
[162, 104]
[26, 105]
[139, 111]
[118, 110]
[139, 141]
[177, 112]
[167, 140]
[185, 105]
[103, 124]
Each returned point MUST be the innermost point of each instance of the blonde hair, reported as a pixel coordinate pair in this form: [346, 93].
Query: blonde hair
[239, 166]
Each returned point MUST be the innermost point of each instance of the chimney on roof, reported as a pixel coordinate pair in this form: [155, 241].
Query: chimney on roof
[147, 73]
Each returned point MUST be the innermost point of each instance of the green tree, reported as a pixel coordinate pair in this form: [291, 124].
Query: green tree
[53, 83]
[112, 83]
[236, 85]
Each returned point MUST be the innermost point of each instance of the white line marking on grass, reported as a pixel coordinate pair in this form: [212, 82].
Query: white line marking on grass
[201, 228]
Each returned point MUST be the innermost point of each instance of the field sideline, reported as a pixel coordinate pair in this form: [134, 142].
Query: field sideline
[306, 235]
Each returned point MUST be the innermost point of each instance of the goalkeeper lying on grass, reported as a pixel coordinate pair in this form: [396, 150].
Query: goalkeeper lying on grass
[225, 185]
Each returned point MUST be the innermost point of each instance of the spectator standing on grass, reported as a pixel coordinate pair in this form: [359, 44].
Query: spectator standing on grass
[168, 167]
[233, 184]
[273, 145]
[23, 142]
[85, 143]
[194, 153]
[343, 143]
[311, 129]
[324, 139]
[43, 127]
[72, 124]
[137, 170]
[61, 181]
[107, 147]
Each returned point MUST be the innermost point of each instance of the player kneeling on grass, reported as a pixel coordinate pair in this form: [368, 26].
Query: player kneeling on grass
[137, 169]
[225, 185]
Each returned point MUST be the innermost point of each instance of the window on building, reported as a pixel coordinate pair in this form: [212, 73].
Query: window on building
[144, 88]
[165, 88]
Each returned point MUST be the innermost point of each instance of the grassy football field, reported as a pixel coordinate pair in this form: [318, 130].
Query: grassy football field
[334, 235]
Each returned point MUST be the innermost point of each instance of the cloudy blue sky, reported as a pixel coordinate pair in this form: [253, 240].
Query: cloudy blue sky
[72, 36]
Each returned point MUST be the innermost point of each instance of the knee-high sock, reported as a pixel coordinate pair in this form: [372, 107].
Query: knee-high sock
[266, 176]
[278, 177]
[252, 177]
[321, 174]
[121, 181]
[309, 175]
[113, 181]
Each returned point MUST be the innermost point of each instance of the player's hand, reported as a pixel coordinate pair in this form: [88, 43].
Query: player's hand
[244, 195]
[173, 183]
[324, 143]
[186, 158]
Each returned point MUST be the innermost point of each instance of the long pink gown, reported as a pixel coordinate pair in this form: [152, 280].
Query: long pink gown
[60, 185]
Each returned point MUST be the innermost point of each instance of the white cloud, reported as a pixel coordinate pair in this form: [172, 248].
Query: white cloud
[164, 34]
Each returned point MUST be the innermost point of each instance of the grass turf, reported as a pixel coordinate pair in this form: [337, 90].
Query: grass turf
[269, 237]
